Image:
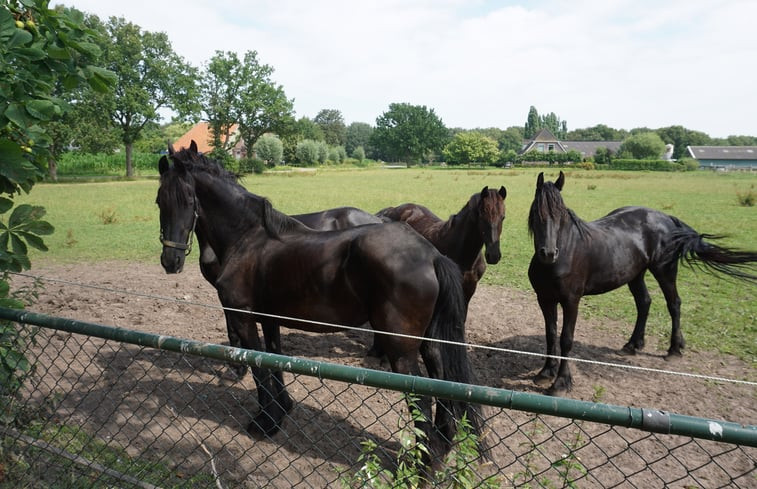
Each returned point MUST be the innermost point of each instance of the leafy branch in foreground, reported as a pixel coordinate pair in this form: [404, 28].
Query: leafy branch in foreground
[460, 469]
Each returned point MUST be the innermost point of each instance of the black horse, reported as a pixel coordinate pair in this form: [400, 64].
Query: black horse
[573, 258]
[337, 218]
[461, 237]
[269, 263]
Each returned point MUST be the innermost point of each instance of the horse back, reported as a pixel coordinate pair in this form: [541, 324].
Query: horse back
[420, 218]
[337, 218]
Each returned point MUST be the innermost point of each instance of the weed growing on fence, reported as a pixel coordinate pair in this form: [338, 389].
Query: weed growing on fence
[460, 466]
[530, 470]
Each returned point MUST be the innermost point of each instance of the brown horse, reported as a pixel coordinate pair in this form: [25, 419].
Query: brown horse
[461, 237]
[573, 258]
[269, 263]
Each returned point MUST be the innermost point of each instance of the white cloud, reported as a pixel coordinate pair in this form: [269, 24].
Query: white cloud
[484, 63]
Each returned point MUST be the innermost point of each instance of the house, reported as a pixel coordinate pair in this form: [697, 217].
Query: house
[200, 133]
[725, 157]
[544, 141]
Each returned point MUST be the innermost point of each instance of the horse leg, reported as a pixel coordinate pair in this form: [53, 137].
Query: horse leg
[281, 403]
[444, 421]
[403, 360]
[667, 280]
[238, 370]
[548, 372]
[264, 424]
[641, 297]
[564, 381]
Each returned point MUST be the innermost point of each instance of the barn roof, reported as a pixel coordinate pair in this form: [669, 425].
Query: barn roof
[723, 152]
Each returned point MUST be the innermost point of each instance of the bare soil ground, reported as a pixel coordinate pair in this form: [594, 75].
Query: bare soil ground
[499, 318]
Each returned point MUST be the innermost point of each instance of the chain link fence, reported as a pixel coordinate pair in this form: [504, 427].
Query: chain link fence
[96, 412]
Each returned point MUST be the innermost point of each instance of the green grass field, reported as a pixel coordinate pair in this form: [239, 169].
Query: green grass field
[119, 221]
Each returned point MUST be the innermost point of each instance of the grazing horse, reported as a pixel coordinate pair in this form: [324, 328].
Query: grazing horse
[478, 224]
[573, 258]
[268, 263]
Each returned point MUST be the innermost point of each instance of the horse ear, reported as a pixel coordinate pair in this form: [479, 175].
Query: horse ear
[539, 180]
[502, 192]
[485, 192]
[171, 151]
[560, 181]
[193, 146]
[163, 165]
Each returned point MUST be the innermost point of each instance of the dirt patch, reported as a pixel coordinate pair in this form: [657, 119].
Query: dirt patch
[503, 320]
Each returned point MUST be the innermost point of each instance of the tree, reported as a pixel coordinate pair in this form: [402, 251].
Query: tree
[246, 96]
[331, 123]
[600, 132]
[270, 149]
[511, 139]
[535, 122]
[219, 88]
[150, 76]
[409, 133]
[680, 138]
[358, 134]
[471, 147]
[263, 106]
[40, 49]
[643, 145]
[532, 123]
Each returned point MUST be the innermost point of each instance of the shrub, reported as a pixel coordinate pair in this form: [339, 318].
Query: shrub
[269, 149]
[307, 152]
[748, 198]
[252, 165]
[359, 154]
[644, 165]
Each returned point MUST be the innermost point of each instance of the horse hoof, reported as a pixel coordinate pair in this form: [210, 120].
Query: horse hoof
[673, 356]
[235, 372]
[628, 350]
[543, 380]
[375, 352]
[262, 426]
[557, 391]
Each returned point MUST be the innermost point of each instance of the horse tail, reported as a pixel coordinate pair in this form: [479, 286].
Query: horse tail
[693, 249]
[448, 325]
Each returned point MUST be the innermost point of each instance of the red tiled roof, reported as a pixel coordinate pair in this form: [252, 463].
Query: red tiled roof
[200, 133]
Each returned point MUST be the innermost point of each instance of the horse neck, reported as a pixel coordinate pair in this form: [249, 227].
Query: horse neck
[226, 212]
[462, 238]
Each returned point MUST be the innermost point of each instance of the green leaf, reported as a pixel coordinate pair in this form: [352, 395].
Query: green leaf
[41, 228]
[18, 247]
[5, 204]
[41, 109]
[16, 113]
[7, 24]
[19, 38]
[58, 52]
[31, 53]
[34, 241]
[20, 214]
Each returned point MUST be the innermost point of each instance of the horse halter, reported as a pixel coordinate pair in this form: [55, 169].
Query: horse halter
[187, 247]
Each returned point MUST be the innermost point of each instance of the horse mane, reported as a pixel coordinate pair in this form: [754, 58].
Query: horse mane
[273, 221]
[548, 203]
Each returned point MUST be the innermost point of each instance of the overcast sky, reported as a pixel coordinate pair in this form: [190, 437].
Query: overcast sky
[481, 63]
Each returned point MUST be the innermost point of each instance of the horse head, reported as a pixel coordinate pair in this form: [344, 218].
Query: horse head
[178, 208]
[491, 214]
[546, 217]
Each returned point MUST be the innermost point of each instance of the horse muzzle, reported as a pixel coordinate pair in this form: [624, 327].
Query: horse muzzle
[172, 260]
[548, 256]
[493, 254]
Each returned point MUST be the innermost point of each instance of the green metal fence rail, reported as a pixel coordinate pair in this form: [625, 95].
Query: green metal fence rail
[528, 451]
